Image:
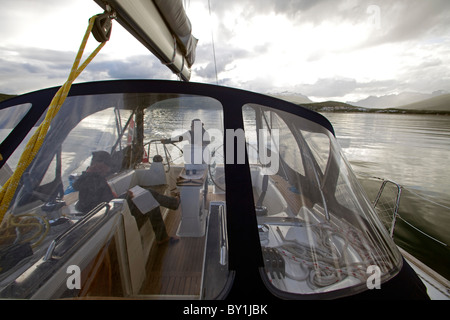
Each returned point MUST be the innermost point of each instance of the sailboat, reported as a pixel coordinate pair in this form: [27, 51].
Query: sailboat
[214, 192]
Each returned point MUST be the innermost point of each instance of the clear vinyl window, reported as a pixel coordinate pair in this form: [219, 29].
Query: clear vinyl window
[317, 232]
[123, 187]
[10, 117]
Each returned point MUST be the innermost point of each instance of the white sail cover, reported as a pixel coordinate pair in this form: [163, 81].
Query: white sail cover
[176, 18]
[163, 27]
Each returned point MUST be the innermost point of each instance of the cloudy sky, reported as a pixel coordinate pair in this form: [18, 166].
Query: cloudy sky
[344, 50]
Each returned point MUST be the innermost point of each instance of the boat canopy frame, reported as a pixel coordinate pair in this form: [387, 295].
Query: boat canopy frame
[245, 258]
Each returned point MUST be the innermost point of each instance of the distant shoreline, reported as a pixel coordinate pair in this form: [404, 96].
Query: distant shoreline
[6, 96]
[334, 106]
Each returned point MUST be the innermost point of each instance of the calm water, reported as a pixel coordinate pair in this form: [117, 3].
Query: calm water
[414, 151]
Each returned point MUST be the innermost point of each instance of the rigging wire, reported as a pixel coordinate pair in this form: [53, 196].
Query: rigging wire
[212, 39]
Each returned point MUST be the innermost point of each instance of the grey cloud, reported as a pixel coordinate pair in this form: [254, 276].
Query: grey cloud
[135, 67]
[338, 87]
[396, 20]
[411, 20]
[225, 56]
[265, 6]
[28, 69]
[418, 82]
[300, 11]
[208, 73]
[25, 69]
[329, 87]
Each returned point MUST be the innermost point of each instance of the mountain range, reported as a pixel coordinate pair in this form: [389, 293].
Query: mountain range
[297, 98]
[438, 101]
[395, 100]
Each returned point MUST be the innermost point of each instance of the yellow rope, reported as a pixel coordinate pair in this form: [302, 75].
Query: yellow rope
[35, 143]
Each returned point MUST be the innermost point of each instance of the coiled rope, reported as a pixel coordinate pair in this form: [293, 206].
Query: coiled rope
[35, 143]
[325, 263]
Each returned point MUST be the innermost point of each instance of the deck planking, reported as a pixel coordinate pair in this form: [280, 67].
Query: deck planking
[176, 268]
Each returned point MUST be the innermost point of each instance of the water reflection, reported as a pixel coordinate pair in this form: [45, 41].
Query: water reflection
[411, 149]
[414, 151]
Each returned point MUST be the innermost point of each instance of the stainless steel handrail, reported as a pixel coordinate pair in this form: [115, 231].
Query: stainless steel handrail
[223, 236]
[80, 223]
[397, 203]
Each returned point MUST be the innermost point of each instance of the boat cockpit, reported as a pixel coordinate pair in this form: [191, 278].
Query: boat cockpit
[215, 193]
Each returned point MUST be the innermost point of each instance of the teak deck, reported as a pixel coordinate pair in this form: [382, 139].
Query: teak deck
[176, 269]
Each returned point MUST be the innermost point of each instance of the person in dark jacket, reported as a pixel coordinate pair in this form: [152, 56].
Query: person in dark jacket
[94, 189]
[92, 185]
